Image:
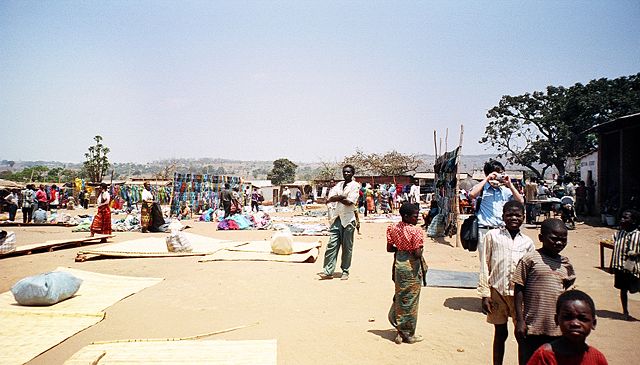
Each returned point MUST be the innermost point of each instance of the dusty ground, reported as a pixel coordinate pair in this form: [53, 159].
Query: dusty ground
[315, 322]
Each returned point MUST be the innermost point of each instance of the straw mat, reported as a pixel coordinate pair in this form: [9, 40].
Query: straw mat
[27, 332]
[179, 352]
[156, 247]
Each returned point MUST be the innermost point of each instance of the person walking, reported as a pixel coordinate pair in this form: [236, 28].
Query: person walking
[102, 221]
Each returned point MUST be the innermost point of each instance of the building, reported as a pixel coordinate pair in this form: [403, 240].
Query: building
[618, 172]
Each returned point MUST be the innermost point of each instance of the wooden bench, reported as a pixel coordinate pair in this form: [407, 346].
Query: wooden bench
[604, 244]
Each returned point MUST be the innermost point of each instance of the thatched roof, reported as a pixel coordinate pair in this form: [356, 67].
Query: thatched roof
[8, 184]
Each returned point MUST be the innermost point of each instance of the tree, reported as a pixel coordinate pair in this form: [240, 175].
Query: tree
[544, 128]
[166, 171]
[283, 172]
[327, 171]
[31, 174]
[391, 163]
[97, 163]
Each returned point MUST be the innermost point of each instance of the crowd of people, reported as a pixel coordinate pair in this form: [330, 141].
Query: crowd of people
[531, 287]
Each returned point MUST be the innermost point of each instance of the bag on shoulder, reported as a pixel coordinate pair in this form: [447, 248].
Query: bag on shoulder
[469, 233]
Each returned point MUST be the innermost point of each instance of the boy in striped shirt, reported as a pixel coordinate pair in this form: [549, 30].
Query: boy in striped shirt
[500, 252]
[540, 277]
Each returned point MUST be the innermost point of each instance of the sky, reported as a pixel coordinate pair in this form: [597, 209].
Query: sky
[310, 81]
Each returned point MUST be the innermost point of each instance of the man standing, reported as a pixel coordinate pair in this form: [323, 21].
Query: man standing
[493, 191]
[342, 198]
[226, 197]
[530, 194]
[414, 194]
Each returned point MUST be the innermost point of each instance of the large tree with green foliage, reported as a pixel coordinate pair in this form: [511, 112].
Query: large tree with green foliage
[391, 163]
[97, 163]
[544, 128]
[283, 172]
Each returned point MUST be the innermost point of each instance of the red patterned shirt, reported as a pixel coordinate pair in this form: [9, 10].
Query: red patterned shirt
[405, 237]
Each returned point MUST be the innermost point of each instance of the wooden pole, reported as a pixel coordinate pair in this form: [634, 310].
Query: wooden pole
[457, 196]
[446, 140]
[435, 143]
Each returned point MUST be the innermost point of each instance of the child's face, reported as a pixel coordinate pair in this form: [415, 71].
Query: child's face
[555, 240]
[626, 222]
[513, 218]
[575, 320]
[411, 218]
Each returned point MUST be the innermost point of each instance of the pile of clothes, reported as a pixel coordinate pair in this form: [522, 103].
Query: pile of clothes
[258, 220]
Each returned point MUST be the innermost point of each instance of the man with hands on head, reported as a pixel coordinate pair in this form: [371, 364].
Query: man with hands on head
[493, 191]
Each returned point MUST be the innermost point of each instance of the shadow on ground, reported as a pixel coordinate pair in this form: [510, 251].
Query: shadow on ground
[442, 241]
[471, 304]
[389, 334]
[603, 313]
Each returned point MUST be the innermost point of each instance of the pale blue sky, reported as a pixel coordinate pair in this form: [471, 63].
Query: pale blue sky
[306, 80]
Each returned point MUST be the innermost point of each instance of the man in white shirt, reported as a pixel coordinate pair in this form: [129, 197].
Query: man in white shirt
[414, 194]
[342, 198]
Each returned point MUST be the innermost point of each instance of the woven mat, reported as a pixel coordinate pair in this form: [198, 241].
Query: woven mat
[452, 279]
[156, 247]
[265, 246]
[27, 332]
[198, 352]
[227, 255]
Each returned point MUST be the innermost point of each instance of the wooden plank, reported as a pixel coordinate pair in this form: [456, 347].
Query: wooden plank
[54, 244]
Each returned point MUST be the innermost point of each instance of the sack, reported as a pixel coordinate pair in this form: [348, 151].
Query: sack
[469, 233]
[281, 243]
[260, 198]
[178, 242]
[46, 289]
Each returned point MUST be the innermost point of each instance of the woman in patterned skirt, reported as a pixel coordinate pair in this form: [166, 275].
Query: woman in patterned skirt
[405, 240]
[102, 221]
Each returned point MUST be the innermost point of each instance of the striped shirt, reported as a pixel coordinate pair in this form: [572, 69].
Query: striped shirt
[623, 243]
[405, 237]
[544, 278]
[499, 256]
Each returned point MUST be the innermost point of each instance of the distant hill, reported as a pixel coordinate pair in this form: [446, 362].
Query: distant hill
[249, 169]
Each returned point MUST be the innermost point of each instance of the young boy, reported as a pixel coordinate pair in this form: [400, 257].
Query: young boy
[540, 277]
[624, 260]
[501, 250]
[576, 317]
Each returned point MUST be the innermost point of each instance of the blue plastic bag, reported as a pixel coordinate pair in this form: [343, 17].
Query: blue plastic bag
[46, 289]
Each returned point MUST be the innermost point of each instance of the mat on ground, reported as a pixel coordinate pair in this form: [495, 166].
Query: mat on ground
[27, 332]
[452, 279]
[261, 251]
[156, 246]
[179, 352]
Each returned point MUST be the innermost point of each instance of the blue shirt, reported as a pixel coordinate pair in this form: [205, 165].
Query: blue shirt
[493, 199]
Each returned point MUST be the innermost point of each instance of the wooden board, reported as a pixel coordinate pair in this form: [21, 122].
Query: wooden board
[51, 245]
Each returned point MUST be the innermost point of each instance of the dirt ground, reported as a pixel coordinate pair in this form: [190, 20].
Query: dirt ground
[315, 322]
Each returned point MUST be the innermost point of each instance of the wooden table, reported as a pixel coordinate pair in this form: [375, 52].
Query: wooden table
[604, 244]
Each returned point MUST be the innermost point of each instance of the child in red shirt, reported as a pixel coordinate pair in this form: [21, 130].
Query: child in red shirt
[576, 317]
